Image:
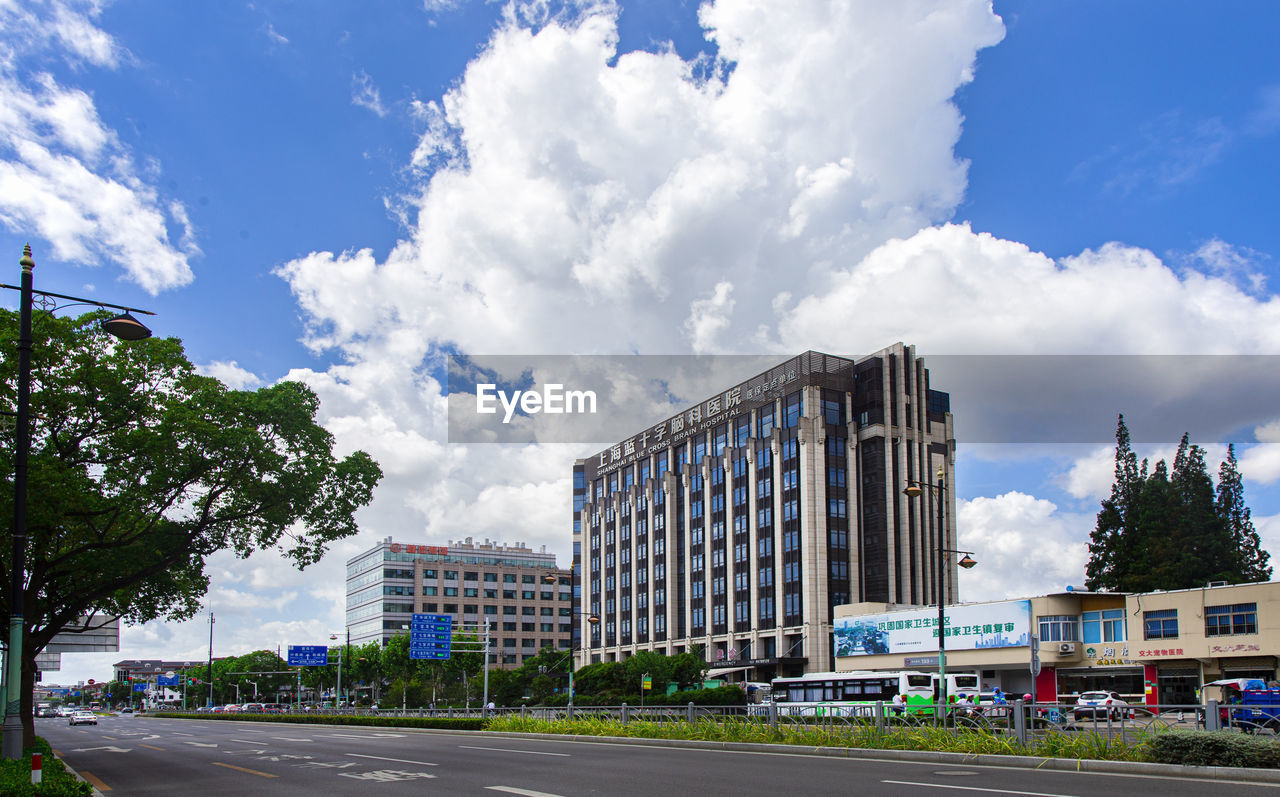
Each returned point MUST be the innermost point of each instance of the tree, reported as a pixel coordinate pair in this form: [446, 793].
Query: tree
[140, 469]
[1251, 559]
[1168, 530]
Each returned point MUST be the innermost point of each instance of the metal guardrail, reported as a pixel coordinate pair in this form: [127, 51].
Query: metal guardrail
[1023, 721]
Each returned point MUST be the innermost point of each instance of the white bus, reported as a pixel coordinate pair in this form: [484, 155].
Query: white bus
[856, 693]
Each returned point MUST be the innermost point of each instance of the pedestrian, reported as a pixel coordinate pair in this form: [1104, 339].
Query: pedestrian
[899, 704]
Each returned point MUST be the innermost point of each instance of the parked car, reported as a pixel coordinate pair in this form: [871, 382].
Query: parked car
[1101, 705]
[83, 718]
[252, 708]
[273, 708]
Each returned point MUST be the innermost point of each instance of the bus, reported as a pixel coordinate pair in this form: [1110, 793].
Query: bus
[847, 694]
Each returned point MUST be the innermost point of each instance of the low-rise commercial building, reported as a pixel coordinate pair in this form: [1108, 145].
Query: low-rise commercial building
[1154, 647]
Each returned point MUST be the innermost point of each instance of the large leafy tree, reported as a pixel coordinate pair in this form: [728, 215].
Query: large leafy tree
[1170, 529]
[140, 469]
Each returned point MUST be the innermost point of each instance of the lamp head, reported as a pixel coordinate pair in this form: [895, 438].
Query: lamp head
[126, 327]
[967, 562]
[912, 491]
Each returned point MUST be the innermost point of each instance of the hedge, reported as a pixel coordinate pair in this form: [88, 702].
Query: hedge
[440, 723]
[56, 781]
[1214, 749]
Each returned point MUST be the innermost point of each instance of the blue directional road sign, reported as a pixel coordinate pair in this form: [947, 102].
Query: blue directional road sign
[165, 680]
[430, 636]
[308, 655]
[139, 687]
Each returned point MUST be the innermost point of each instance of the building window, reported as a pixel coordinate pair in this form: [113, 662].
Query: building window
[1238, 618]
[1103, 626]
[1060, 628]
[1160, 624]
[451, 575]
[509, 578]
[490, 576]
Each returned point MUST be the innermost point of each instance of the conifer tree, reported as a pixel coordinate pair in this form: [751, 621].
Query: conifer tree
[1169, 528]
[1252, 562]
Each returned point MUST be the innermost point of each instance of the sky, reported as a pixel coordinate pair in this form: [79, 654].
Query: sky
[342, 193]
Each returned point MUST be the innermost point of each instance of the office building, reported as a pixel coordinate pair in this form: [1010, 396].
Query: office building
[524, 597]
[741, 522]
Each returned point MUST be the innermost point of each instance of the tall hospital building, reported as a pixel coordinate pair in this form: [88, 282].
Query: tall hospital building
[740, 523]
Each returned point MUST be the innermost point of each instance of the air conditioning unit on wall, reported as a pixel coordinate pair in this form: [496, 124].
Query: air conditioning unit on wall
[1066, 647]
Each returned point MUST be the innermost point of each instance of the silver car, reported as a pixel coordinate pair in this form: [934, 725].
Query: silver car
[83, 718]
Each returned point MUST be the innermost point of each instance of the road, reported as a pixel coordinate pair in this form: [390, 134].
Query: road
[156, 756]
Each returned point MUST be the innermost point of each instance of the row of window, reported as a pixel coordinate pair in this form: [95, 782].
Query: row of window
[1108, 625]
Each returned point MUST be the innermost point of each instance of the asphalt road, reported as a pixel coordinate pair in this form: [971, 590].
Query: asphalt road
[157, 756]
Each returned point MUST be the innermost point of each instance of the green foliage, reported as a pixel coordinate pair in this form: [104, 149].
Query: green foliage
[140, 469]
[56, 781]
[1214, 749]
[606, 683]
[1252, 560]
[838, 734]
[1166, 529]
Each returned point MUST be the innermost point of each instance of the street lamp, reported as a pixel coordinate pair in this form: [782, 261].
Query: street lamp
[346, 651]
[124, 327]
[575, 613]
[915, 490]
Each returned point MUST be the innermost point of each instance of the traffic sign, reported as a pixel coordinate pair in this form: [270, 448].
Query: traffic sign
[167, 680]
[308, 655]
[430, 636]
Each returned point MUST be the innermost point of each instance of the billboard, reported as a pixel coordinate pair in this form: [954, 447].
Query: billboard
[1006, 624]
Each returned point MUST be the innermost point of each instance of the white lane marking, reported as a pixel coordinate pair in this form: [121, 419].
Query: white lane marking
[108, 748]
[289, 739]
[246, 741]
[202, 744]
[524, 792]
[507, 750]
[398, 760]
[975, 788]
[364, 736]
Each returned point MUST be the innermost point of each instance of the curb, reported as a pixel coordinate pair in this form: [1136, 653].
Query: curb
[77, 776]
[1139, 768]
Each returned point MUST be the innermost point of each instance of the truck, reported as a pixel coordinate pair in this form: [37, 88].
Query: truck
[1250, 704]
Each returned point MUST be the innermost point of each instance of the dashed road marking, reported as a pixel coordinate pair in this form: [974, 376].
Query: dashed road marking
[151, 747]
[975, 788]
[245, 769]
[508, 750]
[398, 760]
[523, 792]
[94, 781]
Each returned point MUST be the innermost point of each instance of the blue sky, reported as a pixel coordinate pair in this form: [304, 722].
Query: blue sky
[337, 192]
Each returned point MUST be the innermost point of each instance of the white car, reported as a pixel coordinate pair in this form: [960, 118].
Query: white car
[83, 718]
[1101, 705]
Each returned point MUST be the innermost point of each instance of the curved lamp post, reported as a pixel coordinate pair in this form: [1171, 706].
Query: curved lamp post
[576, 613]
[344, 653]
[915, 490]
[124, 327]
